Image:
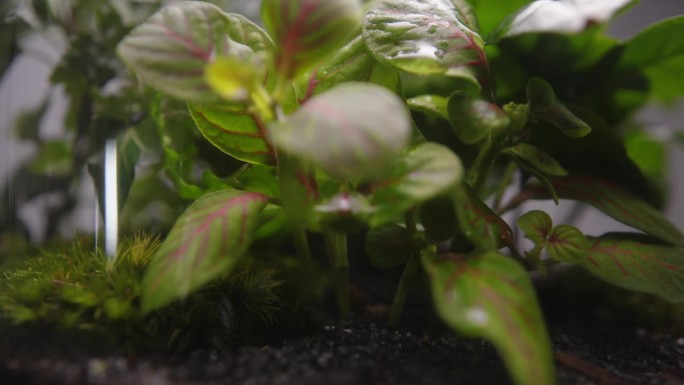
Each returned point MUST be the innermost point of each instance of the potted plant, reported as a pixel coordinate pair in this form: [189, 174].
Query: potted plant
[421, 125]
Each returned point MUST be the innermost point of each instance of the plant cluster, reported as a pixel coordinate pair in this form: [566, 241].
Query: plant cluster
[420, 124]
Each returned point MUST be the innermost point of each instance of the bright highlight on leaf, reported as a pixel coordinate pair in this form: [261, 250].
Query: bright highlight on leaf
[559, 16]
[490, 296]
[352, 131]
[426, 37]
[306, 31]
[207, 239]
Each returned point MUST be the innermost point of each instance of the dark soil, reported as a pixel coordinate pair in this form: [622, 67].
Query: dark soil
[593, 344]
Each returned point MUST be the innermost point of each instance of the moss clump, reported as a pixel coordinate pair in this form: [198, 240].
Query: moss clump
[76, 290]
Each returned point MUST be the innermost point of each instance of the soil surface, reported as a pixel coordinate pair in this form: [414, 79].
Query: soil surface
[359, 352]
[595, 342]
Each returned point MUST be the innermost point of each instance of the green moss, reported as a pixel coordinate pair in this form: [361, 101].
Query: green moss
[76, 290]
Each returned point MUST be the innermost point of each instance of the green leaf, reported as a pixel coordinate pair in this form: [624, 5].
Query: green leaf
[566, 242]
[648, 152]
[484, 228]
[346, 129]
[634, 264]
[389, 246]
[435, 105]
[306, 31]
[564, 16]
[438, 217]
[490, 15]
[351, 63]
[536, 225]
[473, 119]
[531, 158]
[54, 157]
[538, 163]
[425, 172]
[234, 79]
[490, 296]
[206, 241]
[545, 106]
[615, 202]
[656, 44]
[257, 178]
[600, 154]
[426, 37]
[233, 130]
[171, 49]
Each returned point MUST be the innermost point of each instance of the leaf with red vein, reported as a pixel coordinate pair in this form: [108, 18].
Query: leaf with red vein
[425, 172]
[207, 239]
[633, 263]
[426, 37]
[306, 31]
[484, 228]
[354, 130]
[171, 49]
[490, 296]
[235, 131]
[613, 201]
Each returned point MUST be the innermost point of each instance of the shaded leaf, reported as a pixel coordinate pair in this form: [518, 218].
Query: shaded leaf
[490, 296]
[171, 49]
[389, 246]
[234, 130]
[536, 225]
[435, 105]
[425, 172]
[559, 16]
[306, 31]
[484, 228]
[346, 129]
[473, 119]
[257, 178]
[634, 264]
[345, 212]
[657, 43]
[53, 158]
[426, 37]
[545, 106]
[531, 158]
[207, 239]
[613, 201]
[438, 217]
[601, 155]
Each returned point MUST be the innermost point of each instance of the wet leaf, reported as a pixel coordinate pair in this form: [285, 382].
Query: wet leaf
[306, 31]
[207, 239]
[633, 263]
[490, 296]
[425, 172]
[346, 129]
[171, 49]
[233, 130]
[473, 119]
[426, 37]
[389, 246]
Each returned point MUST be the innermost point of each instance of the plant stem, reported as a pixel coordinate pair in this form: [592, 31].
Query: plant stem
[407, 277]
[405, 283]
[301, 243]
[336, 244]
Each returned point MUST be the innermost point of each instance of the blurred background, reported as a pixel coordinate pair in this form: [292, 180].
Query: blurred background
[25, 86]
